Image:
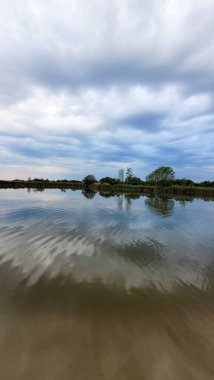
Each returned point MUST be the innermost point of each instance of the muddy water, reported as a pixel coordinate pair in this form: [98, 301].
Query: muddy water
[105, 288]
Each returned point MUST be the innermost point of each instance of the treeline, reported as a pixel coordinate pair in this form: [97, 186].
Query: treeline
[135, 181]
[160, 181]
[38, 183]
[177, 182]
[164, 176]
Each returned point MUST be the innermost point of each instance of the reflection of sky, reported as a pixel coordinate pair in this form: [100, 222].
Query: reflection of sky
[54, 233]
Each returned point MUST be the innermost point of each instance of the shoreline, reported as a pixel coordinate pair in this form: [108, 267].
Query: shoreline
[107, 189]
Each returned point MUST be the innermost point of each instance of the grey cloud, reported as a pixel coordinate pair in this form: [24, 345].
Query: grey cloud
[69, 86]
[145, 121]
[96, 47]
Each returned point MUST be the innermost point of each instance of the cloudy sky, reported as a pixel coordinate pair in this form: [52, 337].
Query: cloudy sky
[95, 86]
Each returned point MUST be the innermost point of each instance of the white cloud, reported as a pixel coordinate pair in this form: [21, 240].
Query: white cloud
[78, 80]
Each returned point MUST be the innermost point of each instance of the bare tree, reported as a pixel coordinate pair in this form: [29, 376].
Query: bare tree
[121, 175]
[129, 173]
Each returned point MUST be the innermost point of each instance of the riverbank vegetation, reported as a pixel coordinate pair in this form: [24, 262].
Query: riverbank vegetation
[160, 181]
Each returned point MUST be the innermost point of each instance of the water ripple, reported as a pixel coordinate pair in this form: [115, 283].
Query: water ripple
[127, 249]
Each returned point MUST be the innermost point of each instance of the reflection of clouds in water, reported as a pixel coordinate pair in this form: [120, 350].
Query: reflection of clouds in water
[85, 262]
[128, 249]
[87, 241]
[13, 199]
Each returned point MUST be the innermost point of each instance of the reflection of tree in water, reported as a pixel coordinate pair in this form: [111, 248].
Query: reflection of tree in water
[120, 202]
[182, 203]
[185, 201]
[106, 195]
[89, 194]
[126, 199]
[128, 202]
[132, 196]
[162, 206]
[38, 189]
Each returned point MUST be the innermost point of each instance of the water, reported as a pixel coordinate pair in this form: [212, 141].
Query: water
[95, 287]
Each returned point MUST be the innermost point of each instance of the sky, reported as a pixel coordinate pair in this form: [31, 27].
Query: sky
[89, 87]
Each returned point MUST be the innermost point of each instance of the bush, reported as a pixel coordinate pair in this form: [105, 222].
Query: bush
[133, 181]
[106, 186]
[111, 181]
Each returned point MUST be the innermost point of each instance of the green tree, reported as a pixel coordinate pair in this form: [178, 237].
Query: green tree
[111, 181]
[89, 179]
[132, 180]
[161, 175]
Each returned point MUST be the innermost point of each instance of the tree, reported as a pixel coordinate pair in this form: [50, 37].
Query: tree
[121, 175]
[89, 179]
[184, 182]
[161, 175]
[111, 181]
[129, 173]
[132, 180]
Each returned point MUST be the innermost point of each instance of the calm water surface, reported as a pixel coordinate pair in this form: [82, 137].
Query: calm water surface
[111, 288]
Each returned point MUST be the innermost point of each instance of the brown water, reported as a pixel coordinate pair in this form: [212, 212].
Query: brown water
[105, 288]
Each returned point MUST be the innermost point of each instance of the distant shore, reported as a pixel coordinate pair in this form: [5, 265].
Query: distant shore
[20, 184]
[106, 188]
